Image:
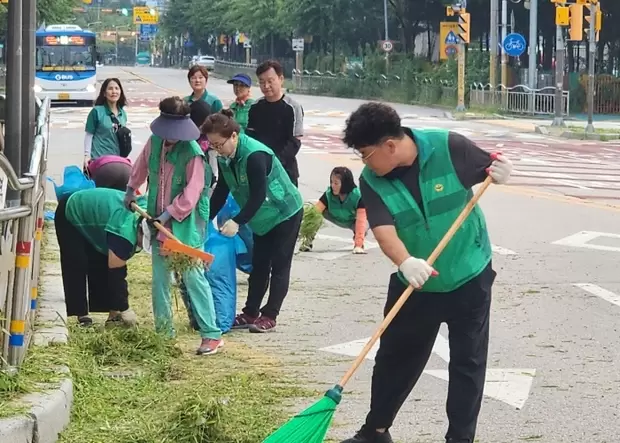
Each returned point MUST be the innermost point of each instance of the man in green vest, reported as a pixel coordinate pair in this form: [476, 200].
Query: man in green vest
[270, 204]
[414, 185]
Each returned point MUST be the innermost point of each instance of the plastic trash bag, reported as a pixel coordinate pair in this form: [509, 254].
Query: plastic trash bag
[244, 257]
[74, 180]
[222, 275]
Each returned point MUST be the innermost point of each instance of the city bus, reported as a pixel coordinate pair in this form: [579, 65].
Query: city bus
[66, 64]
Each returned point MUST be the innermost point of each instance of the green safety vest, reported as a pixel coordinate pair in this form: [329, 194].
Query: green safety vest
[214, 102]
[95, 212]
[242, 113]
[283, 199]
[99, 123]
[192, 230]
[345, 211]
[443, 198]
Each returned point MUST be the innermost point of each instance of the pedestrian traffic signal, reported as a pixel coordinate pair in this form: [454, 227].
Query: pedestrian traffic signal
[464, 25]
[562, 16]
[575, 32]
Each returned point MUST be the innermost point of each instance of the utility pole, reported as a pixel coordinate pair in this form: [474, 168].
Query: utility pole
[592, 60]
[464, 21]
[14, 94]
[387, 38]
[558, 120]
[28, 73]
[531, 66]
[504, 73]
[494, 28]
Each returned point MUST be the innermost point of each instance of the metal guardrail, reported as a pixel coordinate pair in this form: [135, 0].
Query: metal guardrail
[228, 69]
[21, 231]
[519, 99]
[417, 89]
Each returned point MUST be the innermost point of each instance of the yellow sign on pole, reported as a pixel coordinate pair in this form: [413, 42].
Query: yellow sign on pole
[448, 40]
[4, 1]
[144, 15]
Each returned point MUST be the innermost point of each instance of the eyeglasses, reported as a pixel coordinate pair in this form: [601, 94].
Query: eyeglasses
[218, 146]
[360, 155]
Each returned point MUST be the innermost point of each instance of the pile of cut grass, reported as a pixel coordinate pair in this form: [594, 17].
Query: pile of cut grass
[133, 385]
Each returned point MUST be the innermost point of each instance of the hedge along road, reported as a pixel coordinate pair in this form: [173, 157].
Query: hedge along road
[554, 304]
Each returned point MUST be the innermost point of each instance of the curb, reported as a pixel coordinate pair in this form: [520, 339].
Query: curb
[574, 135]
[50, 409]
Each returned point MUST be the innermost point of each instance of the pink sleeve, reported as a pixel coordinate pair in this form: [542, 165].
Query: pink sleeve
[140, 169]
[184, 203]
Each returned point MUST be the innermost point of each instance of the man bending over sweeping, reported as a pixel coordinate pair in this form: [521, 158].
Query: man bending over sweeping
[414, 186]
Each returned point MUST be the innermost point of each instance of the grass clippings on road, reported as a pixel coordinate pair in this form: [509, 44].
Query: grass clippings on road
[133, 385]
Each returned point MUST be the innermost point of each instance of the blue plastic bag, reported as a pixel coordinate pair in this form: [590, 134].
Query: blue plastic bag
[244, 258]
[222, 276]
[74, 180]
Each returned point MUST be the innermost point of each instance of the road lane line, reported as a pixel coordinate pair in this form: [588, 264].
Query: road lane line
[603, 293]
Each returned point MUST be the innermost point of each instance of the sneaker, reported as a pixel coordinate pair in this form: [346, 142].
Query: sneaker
[243, 321]
[359, 250]
[209, 346]
[366, 435]
[129, 317]
[305, 247]
[85, 321]
[263, 324]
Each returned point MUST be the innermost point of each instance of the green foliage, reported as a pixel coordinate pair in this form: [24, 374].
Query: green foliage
[310, 225]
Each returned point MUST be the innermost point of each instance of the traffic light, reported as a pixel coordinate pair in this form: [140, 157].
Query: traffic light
[464, 25]
[562, 16]
[124, 12]
[575, 32]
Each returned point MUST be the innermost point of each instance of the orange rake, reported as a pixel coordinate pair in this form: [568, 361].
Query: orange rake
[173, 244]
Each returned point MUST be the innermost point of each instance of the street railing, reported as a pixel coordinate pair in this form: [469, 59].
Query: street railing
[228, 69]
[417, 89]
[21, 231]
[519, 99]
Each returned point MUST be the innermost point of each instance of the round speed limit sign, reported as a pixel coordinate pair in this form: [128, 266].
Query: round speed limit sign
[387, 46]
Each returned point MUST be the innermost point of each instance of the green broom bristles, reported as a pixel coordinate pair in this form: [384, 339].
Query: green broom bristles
[311, 425]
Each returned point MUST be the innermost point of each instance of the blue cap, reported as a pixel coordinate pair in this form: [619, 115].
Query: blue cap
[241, 78]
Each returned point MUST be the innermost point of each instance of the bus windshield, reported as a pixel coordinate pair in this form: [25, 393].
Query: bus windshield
[65, 53]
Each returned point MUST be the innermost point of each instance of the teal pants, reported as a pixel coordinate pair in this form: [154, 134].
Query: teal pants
[198, 291]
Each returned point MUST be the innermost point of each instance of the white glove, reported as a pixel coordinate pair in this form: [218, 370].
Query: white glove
[500, 169]
[416, 271]
[230, 228]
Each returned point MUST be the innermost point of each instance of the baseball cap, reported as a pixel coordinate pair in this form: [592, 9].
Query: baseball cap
[241, 78]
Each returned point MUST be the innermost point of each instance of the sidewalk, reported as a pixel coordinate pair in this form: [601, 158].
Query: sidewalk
[41, 416]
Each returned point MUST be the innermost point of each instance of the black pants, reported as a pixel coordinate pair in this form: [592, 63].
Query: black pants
[89, 285]
[273, 254]
[407, 344]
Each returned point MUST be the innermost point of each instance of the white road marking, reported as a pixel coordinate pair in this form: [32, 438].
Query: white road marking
[502, 251]
[511, 386]
[603, 293]
[581, 240]
[567, 183]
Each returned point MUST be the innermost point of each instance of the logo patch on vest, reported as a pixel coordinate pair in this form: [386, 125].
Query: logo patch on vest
[438, 187]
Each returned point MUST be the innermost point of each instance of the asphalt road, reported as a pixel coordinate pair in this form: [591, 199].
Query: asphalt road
[553, 368]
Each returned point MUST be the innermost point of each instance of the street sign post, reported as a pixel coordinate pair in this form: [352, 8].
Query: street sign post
[298, 44]
[387, 46]
[514, 45]
[144, 15]
[147, 32]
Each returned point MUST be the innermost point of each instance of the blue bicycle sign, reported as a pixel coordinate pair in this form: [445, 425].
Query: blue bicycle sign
[514, 45]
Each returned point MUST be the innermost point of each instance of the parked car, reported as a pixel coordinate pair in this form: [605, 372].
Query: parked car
[208, 61]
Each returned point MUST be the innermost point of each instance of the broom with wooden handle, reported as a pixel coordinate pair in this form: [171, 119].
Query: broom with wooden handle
[311, 425]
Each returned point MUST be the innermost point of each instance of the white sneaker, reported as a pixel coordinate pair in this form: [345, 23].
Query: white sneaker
[129, 317]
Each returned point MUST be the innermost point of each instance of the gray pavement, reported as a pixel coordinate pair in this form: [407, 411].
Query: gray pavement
[553, 373]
